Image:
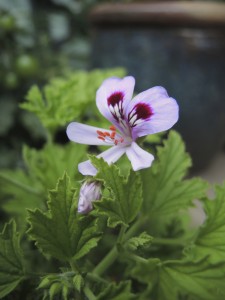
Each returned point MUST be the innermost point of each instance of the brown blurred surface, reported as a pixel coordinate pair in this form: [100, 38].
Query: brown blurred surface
[172, 12]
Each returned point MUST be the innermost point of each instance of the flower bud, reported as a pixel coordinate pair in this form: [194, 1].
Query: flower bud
[90, 191]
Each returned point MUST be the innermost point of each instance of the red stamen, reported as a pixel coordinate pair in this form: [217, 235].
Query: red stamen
[113, 128]
[100, 133]
[106, 133]
[116, 142]
[113, 135]
[101, 138]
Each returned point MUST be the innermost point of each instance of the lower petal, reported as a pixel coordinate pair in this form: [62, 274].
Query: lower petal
[110, 156]
[139, 158]
[85, 134]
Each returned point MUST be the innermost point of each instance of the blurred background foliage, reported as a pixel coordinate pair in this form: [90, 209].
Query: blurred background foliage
[40, 40]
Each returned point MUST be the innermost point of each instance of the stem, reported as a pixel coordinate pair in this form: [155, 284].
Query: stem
[88, 293]
[121, 233]
[138, 258]
[135, 227]
[170, 242]
[109, 259]
[94, 277]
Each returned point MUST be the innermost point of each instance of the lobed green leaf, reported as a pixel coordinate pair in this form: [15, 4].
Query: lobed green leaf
[165, 192]
[66, 99]
[60, 285]
[62, 232]
[210, 239]
[122, 291]
[125, 200]
[169, 280]
[28, 188]
[12, 270]
[143, 240]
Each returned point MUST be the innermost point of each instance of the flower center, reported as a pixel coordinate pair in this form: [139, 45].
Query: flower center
[140, 112]
[110, 137]
[115, 103]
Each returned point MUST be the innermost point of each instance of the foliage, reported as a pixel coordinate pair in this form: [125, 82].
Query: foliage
[39, 40]
[209, 239]
[22, 189]
[170, 193]
[60, 232]
[135, 244]
[124, 193]
[12, 270]
[65, 99]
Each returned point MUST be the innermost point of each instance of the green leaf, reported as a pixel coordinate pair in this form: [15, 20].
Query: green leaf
[65, 292]
[62, 232]
[117, 292]
[165, 192]
[62, 283]
[154, 138]
[48, 164]
[143, 240]
[55, 289]
[199, 280]
[145, 270]
[19, 191]
[210, 239]
[12, 270]
[78, 282]
[126, 194]
[29, 188]
[66, 99]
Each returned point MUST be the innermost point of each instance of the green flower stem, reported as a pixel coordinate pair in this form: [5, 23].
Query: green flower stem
[95, 278]
[109, 259]
[106, 262]
[138, 258]
[88, 293]
[169, 242]
[121, 234]
[136, 227]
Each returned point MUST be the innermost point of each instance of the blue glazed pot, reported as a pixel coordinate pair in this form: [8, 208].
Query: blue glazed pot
[179, 45]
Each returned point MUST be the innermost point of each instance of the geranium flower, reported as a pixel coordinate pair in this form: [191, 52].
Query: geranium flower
[90, 191]
[149, 112]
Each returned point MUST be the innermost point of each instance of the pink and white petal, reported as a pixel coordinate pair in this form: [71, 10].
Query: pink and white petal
[86, 168]
[151, 94]
[139, 158]
[165, 115]
[111, 155]
[85, 134]
[108, 88]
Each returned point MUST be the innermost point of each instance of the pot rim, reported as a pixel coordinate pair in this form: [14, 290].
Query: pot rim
[175, 13]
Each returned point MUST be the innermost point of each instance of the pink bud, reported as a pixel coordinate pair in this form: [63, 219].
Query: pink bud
[90, 191]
